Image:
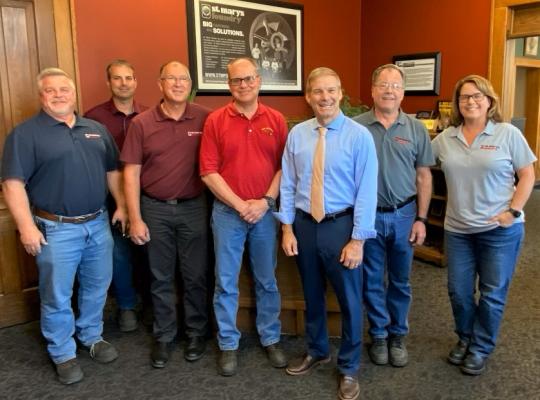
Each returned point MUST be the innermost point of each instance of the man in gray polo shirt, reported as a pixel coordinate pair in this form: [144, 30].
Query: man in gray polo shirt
[404, 191]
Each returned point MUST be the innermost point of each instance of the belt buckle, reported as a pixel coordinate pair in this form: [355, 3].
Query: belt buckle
[79, 219]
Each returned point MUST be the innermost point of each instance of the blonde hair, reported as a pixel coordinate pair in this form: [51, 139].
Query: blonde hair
[318, 72]
[485, 87]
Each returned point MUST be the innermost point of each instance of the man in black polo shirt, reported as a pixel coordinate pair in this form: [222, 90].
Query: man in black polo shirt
[56, 170]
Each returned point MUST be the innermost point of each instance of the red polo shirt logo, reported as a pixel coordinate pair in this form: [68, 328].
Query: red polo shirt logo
[489, 147]
[267, 131]
[401, 140]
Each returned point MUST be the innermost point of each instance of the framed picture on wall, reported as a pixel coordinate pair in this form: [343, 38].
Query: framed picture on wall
[220, 30]
[531, 46]
[422, 73]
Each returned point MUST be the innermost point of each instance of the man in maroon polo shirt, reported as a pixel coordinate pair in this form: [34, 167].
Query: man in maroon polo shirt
[241, 154]
[116, 114]
[167, 209]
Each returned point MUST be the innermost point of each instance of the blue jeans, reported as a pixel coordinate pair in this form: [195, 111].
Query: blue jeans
[122, 280]
[387, 268]
[491, 258]
[73, 250]
[230, 234]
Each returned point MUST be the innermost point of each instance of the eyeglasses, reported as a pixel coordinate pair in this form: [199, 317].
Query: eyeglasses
[477, 97]
[173, 79]
[389, 85]
[248, 79]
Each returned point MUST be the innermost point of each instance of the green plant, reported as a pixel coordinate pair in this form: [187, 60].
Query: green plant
[351, 110]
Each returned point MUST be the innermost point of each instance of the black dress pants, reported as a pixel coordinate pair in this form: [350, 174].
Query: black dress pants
[178, 237]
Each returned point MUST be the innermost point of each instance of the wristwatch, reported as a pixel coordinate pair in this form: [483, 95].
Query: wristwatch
[271, 203]
[421, 219]
[515, 213]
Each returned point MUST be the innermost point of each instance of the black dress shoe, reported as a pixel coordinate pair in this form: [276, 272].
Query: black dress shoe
[160, 354]
[302, 366]
[458, 352]
[195, 348]
[473, 364]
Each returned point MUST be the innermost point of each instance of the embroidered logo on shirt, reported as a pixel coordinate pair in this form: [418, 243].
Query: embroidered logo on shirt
[401, 140]
[489, 147]
[267, 131]
[194, 133]
[92, 135]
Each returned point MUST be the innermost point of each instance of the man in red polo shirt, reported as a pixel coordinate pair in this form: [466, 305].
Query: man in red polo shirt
[116, 114]
[240, 162]
[167, 209]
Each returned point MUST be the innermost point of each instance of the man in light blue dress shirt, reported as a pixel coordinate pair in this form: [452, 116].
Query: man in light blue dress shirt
[333, 247]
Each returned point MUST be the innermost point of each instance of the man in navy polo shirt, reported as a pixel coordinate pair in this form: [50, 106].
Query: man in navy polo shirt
[403, 195]
[116, 114]
[56, 170]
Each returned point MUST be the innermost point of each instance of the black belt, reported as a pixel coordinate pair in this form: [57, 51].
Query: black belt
[80, 219]
[171, 201]
[397, 206]
[330, 216]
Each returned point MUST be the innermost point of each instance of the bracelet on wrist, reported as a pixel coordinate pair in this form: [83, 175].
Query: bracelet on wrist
[421, 219]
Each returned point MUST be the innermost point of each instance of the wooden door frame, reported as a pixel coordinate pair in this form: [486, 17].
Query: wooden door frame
[501, 59]
[23, 306]
[64, 25]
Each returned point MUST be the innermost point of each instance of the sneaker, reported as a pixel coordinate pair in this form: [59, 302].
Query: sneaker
[69, 372]
[458, 352]
[398, 352]
[103, 352]
[228, 362]
[378, 351]
[127, 320]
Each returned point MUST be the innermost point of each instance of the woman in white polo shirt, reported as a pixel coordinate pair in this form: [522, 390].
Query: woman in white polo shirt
[480, 156]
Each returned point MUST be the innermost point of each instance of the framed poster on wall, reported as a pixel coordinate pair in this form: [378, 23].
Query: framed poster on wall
[270, 33]
[422, 73]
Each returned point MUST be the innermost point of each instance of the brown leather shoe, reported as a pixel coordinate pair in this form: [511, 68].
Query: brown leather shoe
[349, 389]
[302, 366]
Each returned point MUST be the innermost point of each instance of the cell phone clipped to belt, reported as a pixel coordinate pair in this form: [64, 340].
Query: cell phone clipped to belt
[42, 228]
[118, 226]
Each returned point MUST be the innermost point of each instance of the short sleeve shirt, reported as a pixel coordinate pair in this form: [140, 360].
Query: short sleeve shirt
[65, 169]
[400, 150]
[115, 120]
[245, 152]
[480, 177]
[168, 152]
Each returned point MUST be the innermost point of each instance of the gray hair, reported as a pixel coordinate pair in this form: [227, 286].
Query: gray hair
[174, 62]
[52, 71]
[248, 59]
[380, 69]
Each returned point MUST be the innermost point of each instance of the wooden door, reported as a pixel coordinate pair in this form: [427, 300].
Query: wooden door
[34, 34]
